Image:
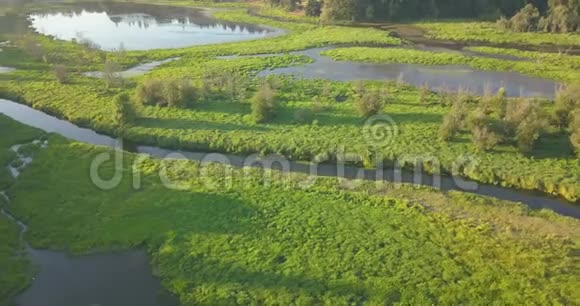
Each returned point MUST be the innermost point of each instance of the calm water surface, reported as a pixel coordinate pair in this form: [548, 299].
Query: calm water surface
[535, 200]
[142, 27]
[112, 279]
[441, 78]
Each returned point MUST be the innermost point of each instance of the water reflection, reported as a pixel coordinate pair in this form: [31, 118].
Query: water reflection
[441, 78]
[142, 27]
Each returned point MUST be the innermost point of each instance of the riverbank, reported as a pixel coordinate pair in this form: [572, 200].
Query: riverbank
[224, 125]
[247, 232]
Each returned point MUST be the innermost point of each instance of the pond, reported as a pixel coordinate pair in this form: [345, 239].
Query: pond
[112, 279]
[440, 78]
[141, 27]
[535, 200]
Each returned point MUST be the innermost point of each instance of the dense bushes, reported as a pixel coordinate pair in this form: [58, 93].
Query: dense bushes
[177, 92]
[561, 18]
[368, 102]
[454, 120]
[482, 135]
[520, 120]
[525, 20]
[575, 131]
[567, 99]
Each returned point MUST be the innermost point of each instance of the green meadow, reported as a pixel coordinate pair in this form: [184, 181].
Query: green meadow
[488, 32]
[243, 238]
[232, 236]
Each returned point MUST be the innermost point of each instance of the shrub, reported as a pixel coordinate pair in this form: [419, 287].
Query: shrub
[500, 102]
[561, 19]
[111, 74]
[369, 103]
[478, 118]
[483, 138]
[575, 131]
[173, 92]
[454, 120]
[526, 20]
[60, 73]
[179, 93]
[516, 111]
[149, 92]
[424, 93]
[449, 127]
[263, 103]
[524, 120]
[503, 24]
[170, 94]
[527, 133]
[567, 99]
[124, 113]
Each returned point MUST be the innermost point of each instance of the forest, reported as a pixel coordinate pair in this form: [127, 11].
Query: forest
[381, 10]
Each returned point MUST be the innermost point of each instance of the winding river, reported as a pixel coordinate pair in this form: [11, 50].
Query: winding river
[534, 200]
[125, 278]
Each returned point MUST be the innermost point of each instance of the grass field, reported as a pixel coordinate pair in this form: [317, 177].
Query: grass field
[488, 32]
[248, 242]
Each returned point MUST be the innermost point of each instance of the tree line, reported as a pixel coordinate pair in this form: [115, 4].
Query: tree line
[390, 10]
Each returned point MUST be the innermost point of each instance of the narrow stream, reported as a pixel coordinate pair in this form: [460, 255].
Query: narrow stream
[6, 69]
[138, 70]
[534, 200]
[112, 279]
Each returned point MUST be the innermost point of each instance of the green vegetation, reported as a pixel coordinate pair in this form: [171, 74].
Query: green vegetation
[264, 103]
[388, 10]
[562, 17]
[239, 240]
[221, 119]
[15, 269]
[556, 59]
[228, 236]
[565, 70]
[488, 32]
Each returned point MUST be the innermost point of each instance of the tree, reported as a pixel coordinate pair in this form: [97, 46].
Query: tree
[313, 8]
[263, 104]
[526, 20]
[483, 138]
[60, 73]
[567, 99]
[575, 131]
[338, 10]
[111, 74]
[149, 92]
[369, 103]
[563, 16]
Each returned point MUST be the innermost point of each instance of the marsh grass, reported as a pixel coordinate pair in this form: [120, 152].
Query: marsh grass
[488, 32]
[545, 69]
[265, 240]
